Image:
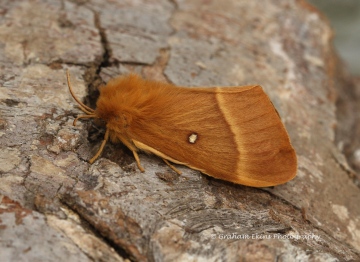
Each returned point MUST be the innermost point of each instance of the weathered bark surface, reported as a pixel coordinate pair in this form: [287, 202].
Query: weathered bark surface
[56, 206]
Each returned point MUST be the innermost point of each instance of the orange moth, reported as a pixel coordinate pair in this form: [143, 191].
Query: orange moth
[230, 133]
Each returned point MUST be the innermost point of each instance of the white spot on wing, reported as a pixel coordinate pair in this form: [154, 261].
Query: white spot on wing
[192, 138]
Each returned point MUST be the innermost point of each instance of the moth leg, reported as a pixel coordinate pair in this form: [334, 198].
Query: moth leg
[138, 161]
[130, 145]
[172, 167]
[82, 116]
[106, 138]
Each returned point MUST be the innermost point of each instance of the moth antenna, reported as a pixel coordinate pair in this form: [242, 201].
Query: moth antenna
[83, 107]
[86, 111]
[106, 138]
[172, 167]
[83, 116]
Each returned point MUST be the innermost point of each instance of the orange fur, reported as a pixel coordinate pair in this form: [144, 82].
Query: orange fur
[239, 136]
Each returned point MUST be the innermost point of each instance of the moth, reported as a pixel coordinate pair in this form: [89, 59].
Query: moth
[229, 133]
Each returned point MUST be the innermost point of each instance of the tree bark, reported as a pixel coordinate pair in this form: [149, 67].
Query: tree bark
[56, 206]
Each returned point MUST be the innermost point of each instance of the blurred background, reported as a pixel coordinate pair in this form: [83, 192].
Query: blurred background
[344, 16]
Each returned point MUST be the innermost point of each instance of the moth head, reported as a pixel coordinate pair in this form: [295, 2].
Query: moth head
[107, 109]
[90, 113]
[110, 108]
